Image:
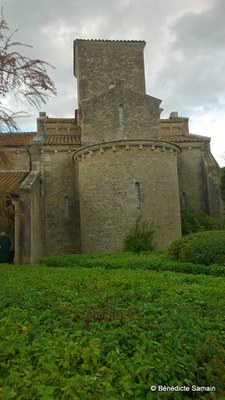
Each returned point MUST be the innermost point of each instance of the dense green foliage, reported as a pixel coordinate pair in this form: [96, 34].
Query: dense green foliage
[193, 221]
[78, 333]
[140, 238]
[203, 247]
[152, 261]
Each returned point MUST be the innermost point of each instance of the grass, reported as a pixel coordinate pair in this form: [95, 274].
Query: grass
[110, 331]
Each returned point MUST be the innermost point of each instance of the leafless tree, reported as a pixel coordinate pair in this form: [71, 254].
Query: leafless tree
[27, 80]
[21, 76]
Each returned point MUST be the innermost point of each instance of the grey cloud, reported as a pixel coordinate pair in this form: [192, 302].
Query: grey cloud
[200, 32]
[184, 56]
[195, 69]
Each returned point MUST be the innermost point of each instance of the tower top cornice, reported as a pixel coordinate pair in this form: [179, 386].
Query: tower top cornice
[108, 41]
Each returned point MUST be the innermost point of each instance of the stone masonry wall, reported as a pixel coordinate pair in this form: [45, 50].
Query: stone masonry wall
[36, 221]
[192, 183]
[212, 178]
[120, 114]
[19, 160]
[31, 239]
[61, 216]
[99, 64]
[109, 204]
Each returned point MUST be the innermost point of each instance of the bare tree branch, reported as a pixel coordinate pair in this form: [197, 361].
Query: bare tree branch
[25, 78]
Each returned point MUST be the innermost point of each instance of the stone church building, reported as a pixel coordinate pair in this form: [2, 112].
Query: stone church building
[82, 183]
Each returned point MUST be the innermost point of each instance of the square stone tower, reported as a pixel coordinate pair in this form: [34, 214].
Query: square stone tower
[112, 101]
[103, 64]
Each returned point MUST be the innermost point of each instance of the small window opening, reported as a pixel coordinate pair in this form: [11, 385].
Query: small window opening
[138, 194]
[66, 206]
[184, 199]
[112, 85]
[121, 121]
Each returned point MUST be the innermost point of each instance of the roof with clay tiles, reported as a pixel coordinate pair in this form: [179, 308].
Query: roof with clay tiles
[185, 138]
[10, 180]
[62, 140]
[16, 139]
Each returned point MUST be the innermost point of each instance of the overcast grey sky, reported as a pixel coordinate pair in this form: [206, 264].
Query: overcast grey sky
[184, 54]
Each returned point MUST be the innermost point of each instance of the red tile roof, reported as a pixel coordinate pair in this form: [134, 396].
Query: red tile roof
[62, 140]
[16, 139]
[10, 180]
[184, 138]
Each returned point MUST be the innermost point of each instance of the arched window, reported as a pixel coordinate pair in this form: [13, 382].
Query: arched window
[184, 200]
[66, 206]
[121, 121]
[112, 85]
[138, 194]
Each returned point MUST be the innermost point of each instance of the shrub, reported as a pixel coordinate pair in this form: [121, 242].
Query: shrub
[194, 221]
[157, 261]
[200, 248]
[140, 238]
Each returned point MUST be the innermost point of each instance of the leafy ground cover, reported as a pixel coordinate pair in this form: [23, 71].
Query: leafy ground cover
[97, 333]
[150, 260]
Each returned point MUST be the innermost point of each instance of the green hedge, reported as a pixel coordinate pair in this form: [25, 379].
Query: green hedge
[203, 247]
[152, 261]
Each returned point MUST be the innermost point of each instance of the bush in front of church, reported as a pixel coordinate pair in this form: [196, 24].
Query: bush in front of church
[140, 238]
[200, 248]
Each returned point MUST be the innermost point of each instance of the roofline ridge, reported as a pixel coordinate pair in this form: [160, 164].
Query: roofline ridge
[18, 133]
[110, 40]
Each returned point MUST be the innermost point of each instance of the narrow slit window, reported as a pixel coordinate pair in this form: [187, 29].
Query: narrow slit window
[184, 199]
[138, 194]
[121, 121]
[66, 206]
